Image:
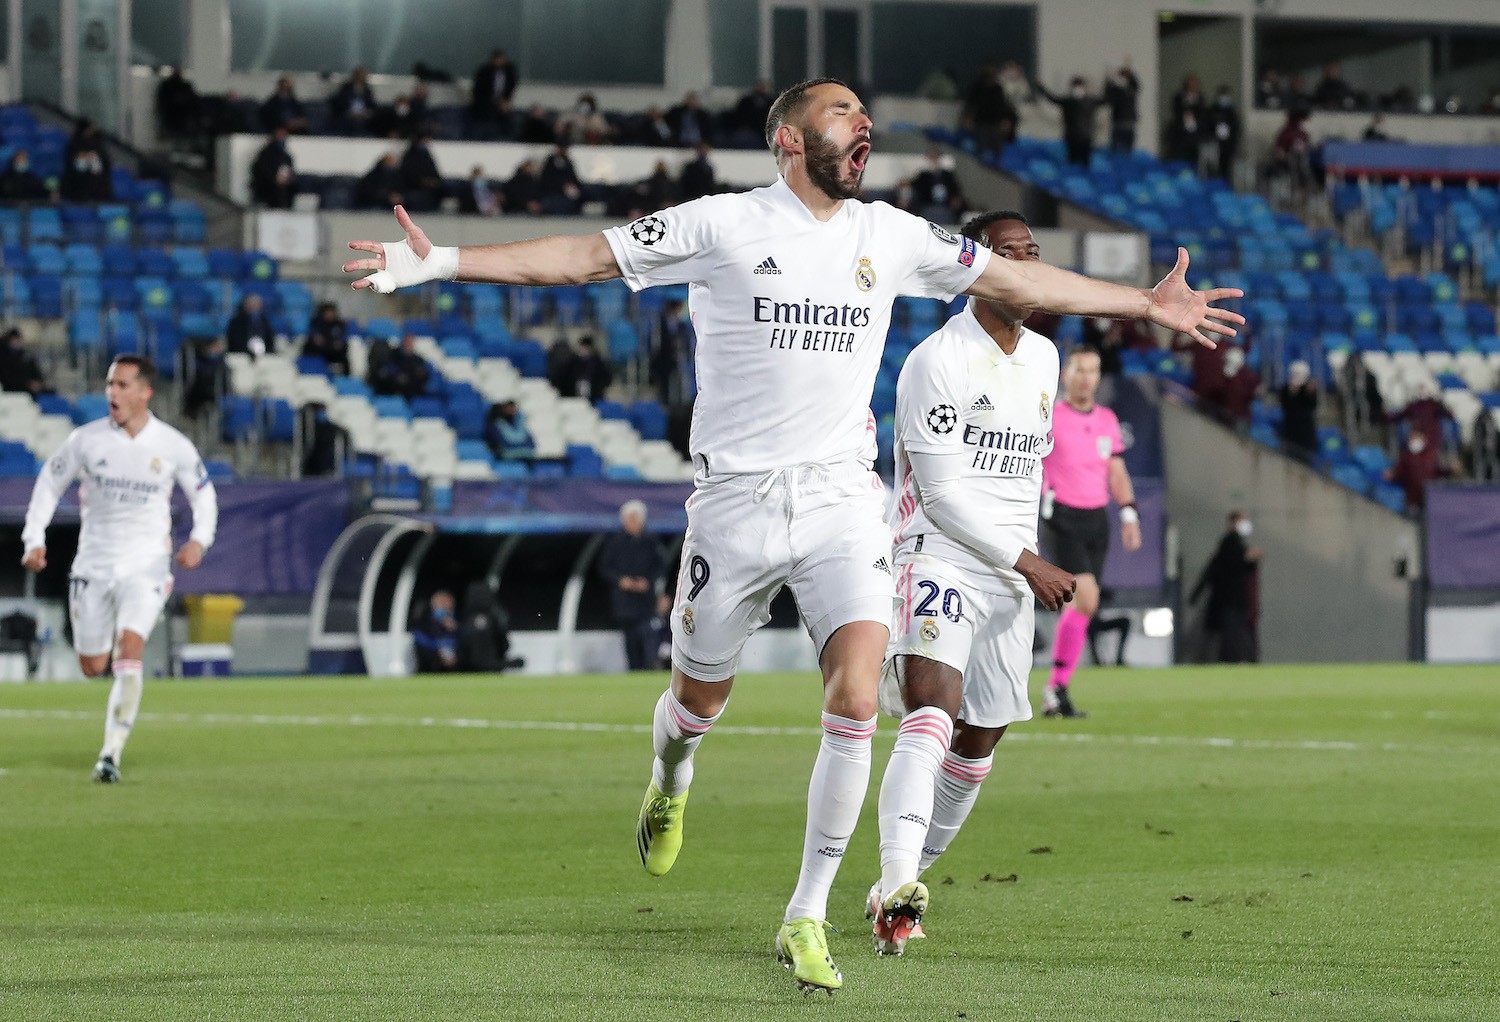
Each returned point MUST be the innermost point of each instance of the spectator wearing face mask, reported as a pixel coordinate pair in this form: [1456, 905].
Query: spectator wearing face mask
[327, 338]
[1121, 93]
[1231, 395]
[1418, 465]
[20, 183]
[354, 103]
[1224, 127]
[935, 192]
[249, 331]
[584, 123]
[86, 178]
[435, 637]
[282, 109]
[1299, 413]
[381, 186]
[1230, 580]
[478, 195]
[19, 369]
[273, 178]
[1077, 108]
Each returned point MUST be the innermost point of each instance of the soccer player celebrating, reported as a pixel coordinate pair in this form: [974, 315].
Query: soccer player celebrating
[1085, 468]
[974, 409]
[125, 464]
[791, 288]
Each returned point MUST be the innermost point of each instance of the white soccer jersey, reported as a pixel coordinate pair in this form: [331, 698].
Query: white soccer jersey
[125, 497]
[958, 392]
[791, 315]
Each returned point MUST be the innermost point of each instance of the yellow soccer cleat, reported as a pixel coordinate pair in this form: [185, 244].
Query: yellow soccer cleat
[659, 838]
[802, 946]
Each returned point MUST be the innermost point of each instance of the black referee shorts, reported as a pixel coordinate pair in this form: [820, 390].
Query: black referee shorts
[1077, 538]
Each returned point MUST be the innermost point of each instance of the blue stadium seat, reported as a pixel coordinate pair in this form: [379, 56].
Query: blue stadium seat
[44, 223]
[239, 418]
[622, 473]
[116, 222]
[54, 404]
[350, 386]
[612, 410]
[511, 471]
[624, 341]
[391, 407]
[649, 419]
[584, 462]
[548, 470]
[473, 450]
[280, 419]
[89, 407]
[83, 260]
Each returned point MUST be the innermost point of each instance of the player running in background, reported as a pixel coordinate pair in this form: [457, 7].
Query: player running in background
[790, 290]
[1086, 467]
[974, 410]
[122, 575]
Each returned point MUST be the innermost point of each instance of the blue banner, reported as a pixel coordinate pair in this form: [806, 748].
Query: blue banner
[1463, 536]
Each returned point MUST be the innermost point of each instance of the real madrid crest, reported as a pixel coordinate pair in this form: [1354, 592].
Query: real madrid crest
[930, 631]
[156, 464]
[688, 626]
[1046, 407]
[864, 274]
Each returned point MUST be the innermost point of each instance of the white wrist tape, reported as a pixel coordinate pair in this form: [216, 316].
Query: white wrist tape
[404, 269]
[1129, 516]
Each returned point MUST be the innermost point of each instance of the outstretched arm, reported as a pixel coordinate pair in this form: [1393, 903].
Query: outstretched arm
[1171, 303]
[560, 259]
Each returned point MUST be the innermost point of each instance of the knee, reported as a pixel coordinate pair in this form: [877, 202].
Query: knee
[131, 646]
[700, 698]
[847, 702]
[972, 742]
[1086, 596]
[93, 666]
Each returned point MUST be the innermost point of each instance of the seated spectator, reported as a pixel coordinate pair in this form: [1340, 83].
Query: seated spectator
[494, 86]
[404, 118]
[178, 109]
[536, 126]
[404, 373]
[653, 130]
[87, 137]
[749, 117]
[1375, 132]
[523, 192]
[225, 115]
[282, 109]
[19, 370]
[420, 181]
[478, 195]
[327, 338]
[581, 371]
[249, 331]
[1231, 396]
[584, 123]
[20, 183]
[698, 176]
[86, 178]
[354, 105]
[1270, 91]
[1299, 413]
[935, 191]
[659, 190]
[484, 632]
[435, 636]
[506, 434]
[380, 188]
[1333, 93]
[210, 377]
[691, 124]
[561, 193]
[273, 178]
[1417, 466]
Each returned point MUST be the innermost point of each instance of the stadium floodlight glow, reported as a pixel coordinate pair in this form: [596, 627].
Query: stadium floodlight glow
[1157, 622]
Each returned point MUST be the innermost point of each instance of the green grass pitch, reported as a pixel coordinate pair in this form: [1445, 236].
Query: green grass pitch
[1212, 844]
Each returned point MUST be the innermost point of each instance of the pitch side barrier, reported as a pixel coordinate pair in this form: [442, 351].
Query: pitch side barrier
[349, 608]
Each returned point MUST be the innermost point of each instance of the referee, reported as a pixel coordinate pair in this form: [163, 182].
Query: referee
[1085, 469]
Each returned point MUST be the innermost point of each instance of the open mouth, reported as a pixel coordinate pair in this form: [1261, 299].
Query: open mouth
[858, 157]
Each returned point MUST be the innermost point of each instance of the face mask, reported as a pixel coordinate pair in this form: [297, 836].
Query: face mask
[440, 614]
[1225, 101]
[1417, 446]
[82, 166]
[585, 108]
[1079, 92]
[22, 166]
[1103, 324]
[947, 162]
[1243, 527]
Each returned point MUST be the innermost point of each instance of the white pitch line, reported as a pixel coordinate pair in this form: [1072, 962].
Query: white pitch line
[485, 724]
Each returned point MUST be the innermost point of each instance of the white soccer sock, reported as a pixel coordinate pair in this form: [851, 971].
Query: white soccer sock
[957, 787]
[675, 734]
[835, 795]
[906, 794]
[124, 703]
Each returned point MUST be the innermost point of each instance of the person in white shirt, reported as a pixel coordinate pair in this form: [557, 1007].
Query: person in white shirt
[973, 422]
[125, 465]
[790, 292]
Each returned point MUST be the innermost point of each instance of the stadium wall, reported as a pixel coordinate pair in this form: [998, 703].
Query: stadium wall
[1329, 588]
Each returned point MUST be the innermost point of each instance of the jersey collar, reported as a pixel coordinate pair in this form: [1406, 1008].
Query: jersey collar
[781, 193]
[970, 329]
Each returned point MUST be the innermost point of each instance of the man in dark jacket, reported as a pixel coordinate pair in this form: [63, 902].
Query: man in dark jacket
[420, 181]
[177, 106]
[19, 369]
[282, 109]
[273, 179]
[327, 338]
[250, 331]
[405, 373]
[1121, 93]
[494, 84]
[1229, 578]
[20, 183]
[381, 186]
[484, 632]
[354, 103]
[631, 562]
[435, 636]
[1077, 108]
[1299, 413]
[989, 112]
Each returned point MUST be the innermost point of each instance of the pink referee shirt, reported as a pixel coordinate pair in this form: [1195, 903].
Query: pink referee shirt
[1077, 470]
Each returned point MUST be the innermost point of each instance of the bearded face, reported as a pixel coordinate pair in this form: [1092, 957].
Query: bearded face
[836, 170]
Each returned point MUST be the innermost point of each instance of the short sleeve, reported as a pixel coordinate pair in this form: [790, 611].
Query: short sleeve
[1116, 438]
[63, 466]
[673, 246]
[929, 395]
[943, 265]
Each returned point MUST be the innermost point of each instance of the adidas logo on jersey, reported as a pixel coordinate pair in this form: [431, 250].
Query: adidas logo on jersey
[982, 405]
[768, 266]
[882, 565]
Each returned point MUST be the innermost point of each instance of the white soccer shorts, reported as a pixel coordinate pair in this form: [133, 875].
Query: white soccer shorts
[986, 636]
[101, 609]
[817, 528]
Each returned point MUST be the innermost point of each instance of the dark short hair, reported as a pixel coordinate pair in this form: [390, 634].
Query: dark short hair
[976, 227]
[144, 367]
[789, 104]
